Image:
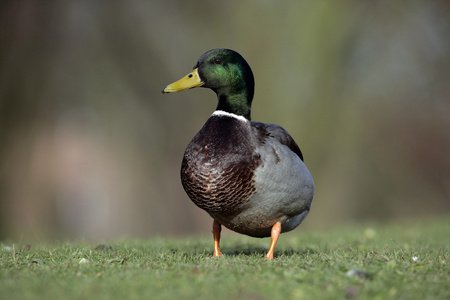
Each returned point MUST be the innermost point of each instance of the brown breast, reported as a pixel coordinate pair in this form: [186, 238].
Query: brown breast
[218, 166]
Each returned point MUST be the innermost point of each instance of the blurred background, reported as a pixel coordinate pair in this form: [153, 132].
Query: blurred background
[90, 148]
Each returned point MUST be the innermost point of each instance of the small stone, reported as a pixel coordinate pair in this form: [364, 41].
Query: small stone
[351, 292]
[83, 261]
[357, 273]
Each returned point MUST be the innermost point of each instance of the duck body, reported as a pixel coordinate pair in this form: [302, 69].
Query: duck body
[236, 171]
[248, 176]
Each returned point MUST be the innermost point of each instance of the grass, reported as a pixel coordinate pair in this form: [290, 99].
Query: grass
[406, 260]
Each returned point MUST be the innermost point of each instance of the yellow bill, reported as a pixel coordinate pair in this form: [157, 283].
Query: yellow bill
[189, 81]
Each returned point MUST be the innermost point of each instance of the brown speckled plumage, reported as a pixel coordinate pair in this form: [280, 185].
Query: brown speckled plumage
[218, 166]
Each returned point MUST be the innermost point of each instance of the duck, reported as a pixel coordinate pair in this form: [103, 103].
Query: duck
[250, 177]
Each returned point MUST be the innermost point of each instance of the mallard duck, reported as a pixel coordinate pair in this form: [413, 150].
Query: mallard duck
[248, 176]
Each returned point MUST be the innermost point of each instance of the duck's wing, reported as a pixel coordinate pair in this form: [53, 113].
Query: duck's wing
[265, 131]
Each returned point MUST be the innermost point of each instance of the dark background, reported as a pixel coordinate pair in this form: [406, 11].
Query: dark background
[90, 148]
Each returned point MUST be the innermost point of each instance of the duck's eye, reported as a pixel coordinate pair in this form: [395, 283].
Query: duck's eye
[218, 61]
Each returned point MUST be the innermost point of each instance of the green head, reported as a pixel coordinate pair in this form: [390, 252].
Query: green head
[228, 74]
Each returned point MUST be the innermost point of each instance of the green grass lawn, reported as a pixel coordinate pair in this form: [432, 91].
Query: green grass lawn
[405, 260]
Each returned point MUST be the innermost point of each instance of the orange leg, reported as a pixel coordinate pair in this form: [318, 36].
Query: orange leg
[275, 234]
[217, 228]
